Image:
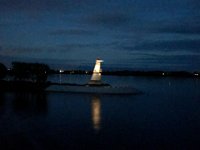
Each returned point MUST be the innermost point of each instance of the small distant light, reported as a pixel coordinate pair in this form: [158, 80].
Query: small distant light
[61, 71]
[196, 74]
[163, 73]
[86, 72]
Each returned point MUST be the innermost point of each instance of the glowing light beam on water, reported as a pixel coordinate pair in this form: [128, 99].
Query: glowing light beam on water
[96, 113]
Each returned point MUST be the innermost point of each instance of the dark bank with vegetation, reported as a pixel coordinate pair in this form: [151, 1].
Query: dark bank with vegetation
[33, 76]
[26, 77]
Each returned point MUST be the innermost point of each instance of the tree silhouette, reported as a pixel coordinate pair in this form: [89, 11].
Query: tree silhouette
[30, 71]
[3, 71]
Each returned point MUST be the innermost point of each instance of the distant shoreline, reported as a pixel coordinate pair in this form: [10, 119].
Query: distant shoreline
[33, 76]
[133, 73]
[32, 86]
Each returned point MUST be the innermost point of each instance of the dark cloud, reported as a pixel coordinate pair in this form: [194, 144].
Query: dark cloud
[188, 45]
[91, 45]
[195, 4]
[108, 19]
[72, 32]
[192, 26]
[181, 30]
[10, 24]
[24, 5]
[73, 29]
[4, 24]
[177, 62]
[38, 5]
[14, 51]
[161, 46]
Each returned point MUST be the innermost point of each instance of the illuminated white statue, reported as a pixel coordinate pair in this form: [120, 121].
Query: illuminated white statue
[95, 86]
[96, 75]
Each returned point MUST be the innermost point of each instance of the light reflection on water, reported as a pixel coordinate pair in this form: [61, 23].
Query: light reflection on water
[166, 115]
[96, 112]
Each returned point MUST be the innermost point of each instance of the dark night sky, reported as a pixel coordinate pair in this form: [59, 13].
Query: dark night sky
[127, 34]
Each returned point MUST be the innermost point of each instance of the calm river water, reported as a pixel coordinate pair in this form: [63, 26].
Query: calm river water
[165, 116]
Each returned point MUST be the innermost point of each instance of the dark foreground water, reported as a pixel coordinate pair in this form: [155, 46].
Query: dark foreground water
[166, 116]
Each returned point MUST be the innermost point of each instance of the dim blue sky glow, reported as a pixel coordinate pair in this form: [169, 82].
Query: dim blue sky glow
[127, 34]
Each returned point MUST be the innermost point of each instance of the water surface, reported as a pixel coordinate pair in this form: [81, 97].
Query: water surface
[166, 116]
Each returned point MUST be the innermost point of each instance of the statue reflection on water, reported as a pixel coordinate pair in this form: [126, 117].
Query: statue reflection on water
[96, 112]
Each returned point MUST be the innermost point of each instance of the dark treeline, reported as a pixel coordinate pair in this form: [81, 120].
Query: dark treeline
[30, 71]
[3, 70]
[26, 77]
